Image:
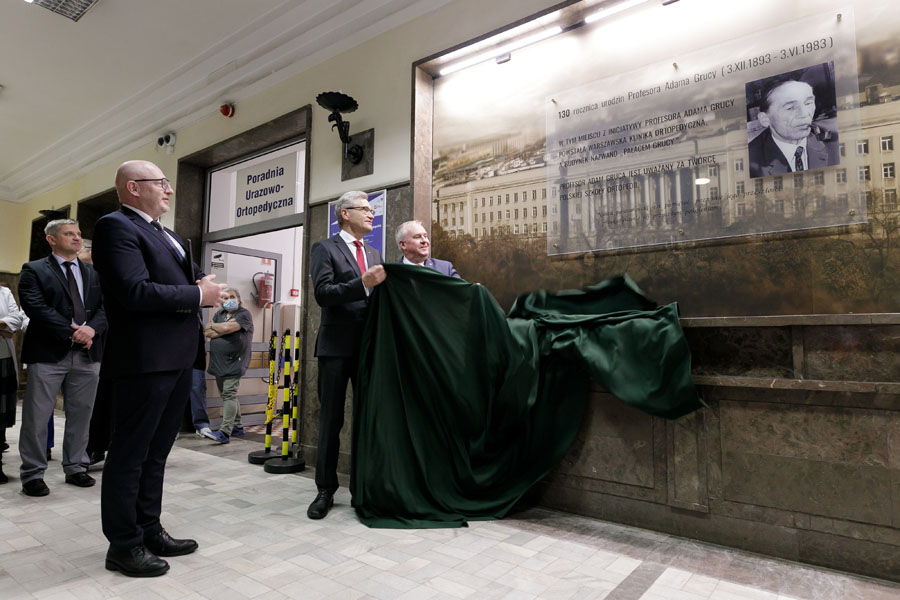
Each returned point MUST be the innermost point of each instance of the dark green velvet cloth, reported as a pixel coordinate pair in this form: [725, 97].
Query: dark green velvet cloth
[460, 409]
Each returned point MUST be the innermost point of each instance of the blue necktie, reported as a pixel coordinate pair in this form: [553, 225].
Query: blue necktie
[179, 251]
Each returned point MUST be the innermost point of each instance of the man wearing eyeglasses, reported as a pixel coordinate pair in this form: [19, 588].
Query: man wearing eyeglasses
[153, 292]
[344, 271]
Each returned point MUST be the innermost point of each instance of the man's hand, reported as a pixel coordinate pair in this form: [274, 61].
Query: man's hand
[210, 293]
[83, 335]
[373, 276]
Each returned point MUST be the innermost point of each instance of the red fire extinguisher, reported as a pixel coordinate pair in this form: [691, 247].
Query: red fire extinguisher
[264, 283]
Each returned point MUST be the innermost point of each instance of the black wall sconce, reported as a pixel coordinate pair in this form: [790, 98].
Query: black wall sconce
[338, 103]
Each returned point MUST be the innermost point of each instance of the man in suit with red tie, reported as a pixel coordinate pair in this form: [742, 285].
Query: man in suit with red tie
[153, 293]
[344, 271]
[62, 348]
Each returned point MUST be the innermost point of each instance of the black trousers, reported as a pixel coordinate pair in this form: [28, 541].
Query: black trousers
[147, 412]
[101, 418]
[334, 373]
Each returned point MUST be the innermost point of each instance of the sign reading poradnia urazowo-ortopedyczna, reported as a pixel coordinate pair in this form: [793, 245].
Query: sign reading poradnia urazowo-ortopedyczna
[266, 190]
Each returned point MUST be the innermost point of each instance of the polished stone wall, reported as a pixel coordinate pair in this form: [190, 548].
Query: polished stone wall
[797, 455]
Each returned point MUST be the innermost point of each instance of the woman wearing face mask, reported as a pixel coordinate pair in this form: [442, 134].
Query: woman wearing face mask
[230, 332]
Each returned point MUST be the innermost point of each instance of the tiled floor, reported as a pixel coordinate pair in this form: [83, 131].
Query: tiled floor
[256, 542]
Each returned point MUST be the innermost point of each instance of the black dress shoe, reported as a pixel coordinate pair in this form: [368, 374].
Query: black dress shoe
[3, 477]
[96, 456]
[319, 507]
[136, 562]
[35, 487]
[80, 479]
[163, 544]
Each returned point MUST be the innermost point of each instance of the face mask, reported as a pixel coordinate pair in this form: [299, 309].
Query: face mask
[230, 305]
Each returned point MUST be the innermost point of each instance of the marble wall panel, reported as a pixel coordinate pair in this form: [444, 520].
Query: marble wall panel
[839, 435]
[819, 460]
[744, 351]
[848, 554]
[686, 459]
[734, 532]
[854, 529]
[614, 443]
[309, 405]
[366, 141]
[894, 461]
[895, 495]
[821, 488]
[852, 352]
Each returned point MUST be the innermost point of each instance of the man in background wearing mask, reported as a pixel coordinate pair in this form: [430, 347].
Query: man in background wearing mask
[231, 333]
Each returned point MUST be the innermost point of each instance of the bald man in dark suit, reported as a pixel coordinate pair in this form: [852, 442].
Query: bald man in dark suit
[153, 293]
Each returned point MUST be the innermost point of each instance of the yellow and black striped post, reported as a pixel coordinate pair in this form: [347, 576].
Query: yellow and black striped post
[285, 464]
[258, 457]
[295, 403]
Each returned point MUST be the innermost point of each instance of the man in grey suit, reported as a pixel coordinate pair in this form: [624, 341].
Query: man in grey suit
[344, 271]
[416, 247]
[62, 348]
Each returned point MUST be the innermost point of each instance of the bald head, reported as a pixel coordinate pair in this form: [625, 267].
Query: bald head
[142, 185]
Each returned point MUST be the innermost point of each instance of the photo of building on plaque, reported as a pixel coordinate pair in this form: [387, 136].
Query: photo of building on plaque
[643, 167]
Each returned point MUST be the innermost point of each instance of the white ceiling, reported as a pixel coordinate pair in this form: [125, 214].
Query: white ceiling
[129, 70]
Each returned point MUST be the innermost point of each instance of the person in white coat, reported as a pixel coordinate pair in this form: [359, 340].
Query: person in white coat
[12, 319]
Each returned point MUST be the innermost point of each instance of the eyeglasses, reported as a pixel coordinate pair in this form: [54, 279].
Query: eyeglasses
[366, 210]
[162, 182]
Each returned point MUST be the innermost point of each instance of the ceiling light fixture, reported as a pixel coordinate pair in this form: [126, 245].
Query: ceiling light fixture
[608, 12]
[543, 34]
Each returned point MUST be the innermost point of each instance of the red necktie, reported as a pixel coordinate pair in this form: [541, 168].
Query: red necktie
[360, 259]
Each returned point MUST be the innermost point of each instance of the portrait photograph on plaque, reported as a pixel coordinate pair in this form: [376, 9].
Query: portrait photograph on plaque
[792, 122]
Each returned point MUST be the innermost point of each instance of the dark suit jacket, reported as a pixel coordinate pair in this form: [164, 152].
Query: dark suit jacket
[45, 297]
[338, 288]
[152, 302]
[766, 157]
[441, 266]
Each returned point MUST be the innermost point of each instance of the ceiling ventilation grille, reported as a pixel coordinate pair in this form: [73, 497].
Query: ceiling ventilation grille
[71, 9]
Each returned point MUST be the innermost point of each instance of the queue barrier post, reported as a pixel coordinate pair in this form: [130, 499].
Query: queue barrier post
[259, 457]
[286, 463]
[296, 446]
